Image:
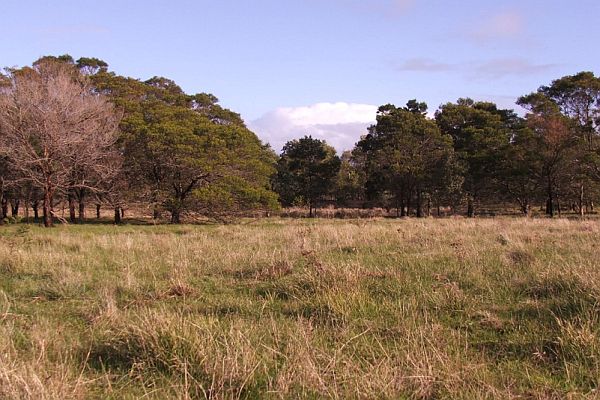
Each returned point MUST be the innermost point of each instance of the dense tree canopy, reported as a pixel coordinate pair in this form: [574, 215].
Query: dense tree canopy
[306, 171]
[407, 159]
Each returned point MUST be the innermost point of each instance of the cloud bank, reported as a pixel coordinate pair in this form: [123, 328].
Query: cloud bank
[340, 124]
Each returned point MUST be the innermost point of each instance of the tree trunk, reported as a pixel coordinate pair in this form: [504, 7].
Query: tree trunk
[419, 205]
[72, 215]
[117, 215]
[429, 206]
[122, 212]
[550, 207]
[81, 206]
[47, 206]
[470, 207]
[4, 206]
[581, 202]
[14, 207]
[176, 216]
[526, 209]
[36, 212]
[155, 213]
[98, 211]
[402, 207]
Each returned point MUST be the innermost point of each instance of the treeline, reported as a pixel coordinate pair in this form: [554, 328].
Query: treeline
[74, 134]
[469, 155]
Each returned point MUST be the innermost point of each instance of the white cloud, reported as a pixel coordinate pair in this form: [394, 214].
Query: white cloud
[340, 124]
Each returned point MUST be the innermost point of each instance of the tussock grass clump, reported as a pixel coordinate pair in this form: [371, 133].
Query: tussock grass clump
[282, 308]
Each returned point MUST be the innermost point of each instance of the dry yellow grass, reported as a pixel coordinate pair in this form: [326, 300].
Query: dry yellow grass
[382, 308]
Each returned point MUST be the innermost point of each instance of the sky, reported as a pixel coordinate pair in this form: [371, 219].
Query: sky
[317, 67]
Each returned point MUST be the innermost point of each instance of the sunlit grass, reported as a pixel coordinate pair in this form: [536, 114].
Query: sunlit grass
[451, 308]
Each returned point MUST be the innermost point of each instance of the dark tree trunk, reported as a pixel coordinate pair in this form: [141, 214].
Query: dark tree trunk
[36, 212]
[155, 213]
[4, 211]
[14, 207]
[526, 209]
[81, 199]
[117, 215]
[176, 216]
[419, 205]
[98, 211]
[550, 207]
[72, 215]
[429, 206]
[408, 203]
[122, 212]
[470, 207]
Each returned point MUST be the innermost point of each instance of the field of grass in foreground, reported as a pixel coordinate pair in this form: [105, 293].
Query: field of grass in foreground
[425, 309]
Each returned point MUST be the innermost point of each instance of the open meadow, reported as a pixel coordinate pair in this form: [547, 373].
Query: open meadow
[282, 308]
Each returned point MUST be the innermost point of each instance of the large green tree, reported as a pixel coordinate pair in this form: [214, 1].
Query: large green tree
[306, 172]
[185, 152]
[407, 158]
[480, 133]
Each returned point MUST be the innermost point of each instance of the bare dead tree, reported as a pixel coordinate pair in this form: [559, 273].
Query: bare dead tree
[56, 132]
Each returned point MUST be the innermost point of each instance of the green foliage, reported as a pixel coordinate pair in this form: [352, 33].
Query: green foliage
[187, 153]
[350, 181]
[480, 132]
[306, 170]
[407, 157]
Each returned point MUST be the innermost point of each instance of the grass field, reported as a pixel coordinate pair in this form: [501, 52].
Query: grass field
[424, 309]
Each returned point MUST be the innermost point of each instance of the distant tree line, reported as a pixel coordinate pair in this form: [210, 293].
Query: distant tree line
[469, 155]
[74, 134]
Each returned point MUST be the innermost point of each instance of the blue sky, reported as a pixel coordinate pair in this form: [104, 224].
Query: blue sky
[320, 67]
